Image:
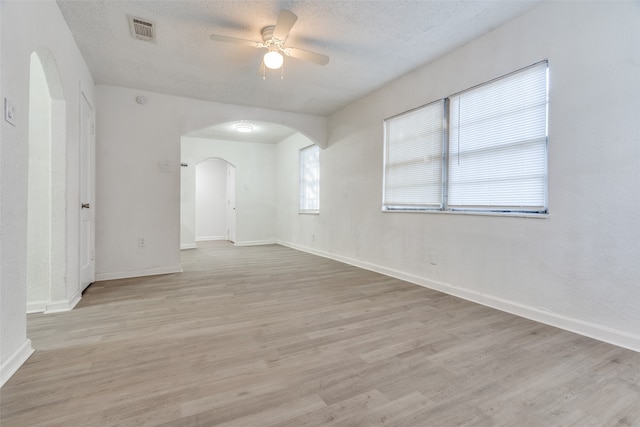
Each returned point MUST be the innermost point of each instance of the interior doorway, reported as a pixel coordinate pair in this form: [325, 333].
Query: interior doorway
[46, 190]
[215, 200]
[87, 194]
[231, 203]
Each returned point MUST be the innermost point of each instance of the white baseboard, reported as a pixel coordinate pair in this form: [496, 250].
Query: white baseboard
[63, 305]
[188, 246]
[13, 363]
[36, 307]
[255, 243]
[138, 273]
[54, 306]
[208, 238]
[589, 329]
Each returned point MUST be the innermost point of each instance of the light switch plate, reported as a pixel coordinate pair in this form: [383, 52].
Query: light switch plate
[9, 112]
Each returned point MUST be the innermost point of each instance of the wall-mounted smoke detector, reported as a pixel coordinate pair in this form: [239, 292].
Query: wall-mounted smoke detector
[142, 29]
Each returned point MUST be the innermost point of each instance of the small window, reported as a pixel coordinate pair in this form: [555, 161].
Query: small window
[310, 179]
[414, 150]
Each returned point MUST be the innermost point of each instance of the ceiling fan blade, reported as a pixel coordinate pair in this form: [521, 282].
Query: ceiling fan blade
[286, 19]
[305, 55]
[219, 38]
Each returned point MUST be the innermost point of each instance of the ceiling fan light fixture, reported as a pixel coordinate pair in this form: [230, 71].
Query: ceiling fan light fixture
[244, 128]
[273, 60]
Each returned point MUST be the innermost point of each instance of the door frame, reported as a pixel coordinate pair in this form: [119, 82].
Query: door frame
[86, 184]
[231, 203]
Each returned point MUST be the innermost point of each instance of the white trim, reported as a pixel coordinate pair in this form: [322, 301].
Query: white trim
[467, 212]
[255, 243]
[36, 307]
[588, 329]
[13, 363]
[54, 306]
[138, 273]
[208, 238]
[188, 246]
[63, 305]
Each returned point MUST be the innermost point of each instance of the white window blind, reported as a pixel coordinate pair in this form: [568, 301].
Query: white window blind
[413, 165]
[497, 156]
[310, 179]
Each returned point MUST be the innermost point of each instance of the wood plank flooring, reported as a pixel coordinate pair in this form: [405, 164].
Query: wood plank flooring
[269, 336]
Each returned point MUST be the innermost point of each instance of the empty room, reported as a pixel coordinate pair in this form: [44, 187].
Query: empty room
[306, 213]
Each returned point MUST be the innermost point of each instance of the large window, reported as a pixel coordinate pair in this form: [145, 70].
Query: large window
[494, 158]
[310, 179]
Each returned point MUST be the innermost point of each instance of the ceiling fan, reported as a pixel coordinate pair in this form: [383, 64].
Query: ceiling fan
[274, 38]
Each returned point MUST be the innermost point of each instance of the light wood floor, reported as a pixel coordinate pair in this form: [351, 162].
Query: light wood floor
[268, 336]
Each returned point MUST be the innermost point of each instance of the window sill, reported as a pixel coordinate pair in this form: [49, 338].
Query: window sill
[308, 212]
[477, 213]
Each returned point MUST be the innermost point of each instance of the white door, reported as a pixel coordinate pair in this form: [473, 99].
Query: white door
[87, 195]
[231, 203]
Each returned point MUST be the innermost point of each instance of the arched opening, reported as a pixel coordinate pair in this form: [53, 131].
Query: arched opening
[39, 190]
[255, 156]
[215, 200]
[46, 197]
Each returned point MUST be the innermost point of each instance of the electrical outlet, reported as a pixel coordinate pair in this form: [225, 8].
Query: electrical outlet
[141, 242]
[433, 258]
[313, 237]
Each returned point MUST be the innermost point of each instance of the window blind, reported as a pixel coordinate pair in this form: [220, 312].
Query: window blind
[497, 156]
[310, 179]
[414, 143]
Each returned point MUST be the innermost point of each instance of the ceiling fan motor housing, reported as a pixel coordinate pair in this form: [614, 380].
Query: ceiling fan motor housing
[269, 41]
[267, 33]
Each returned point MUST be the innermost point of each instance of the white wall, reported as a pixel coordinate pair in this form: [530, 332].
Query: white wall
[211, 200]
[135, 199]
[577, 269]
[19, 40]
[255, 187]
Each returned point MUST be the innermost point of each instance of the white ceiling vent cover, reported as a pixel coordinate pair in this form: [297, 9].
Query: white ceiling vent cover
[142, 29]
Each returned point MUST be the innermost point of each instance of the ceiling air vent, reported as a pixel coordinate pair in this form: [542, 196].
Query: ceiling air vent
[142, 29]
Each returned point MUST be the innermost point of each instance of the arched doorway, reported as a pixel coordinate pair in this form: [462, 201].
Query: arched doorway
[254, 156]
[47, 185]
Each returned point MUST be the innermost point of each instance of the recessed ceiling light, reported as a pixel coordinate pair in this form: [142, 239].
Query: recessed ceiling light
[244, 128]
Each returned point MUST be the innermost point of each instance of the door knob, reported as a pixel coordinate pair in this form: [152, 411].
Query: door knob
[86, 206]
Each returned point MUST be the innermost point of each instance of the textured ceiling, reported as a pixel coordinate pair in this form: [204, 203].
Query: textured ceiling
[369, 42]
